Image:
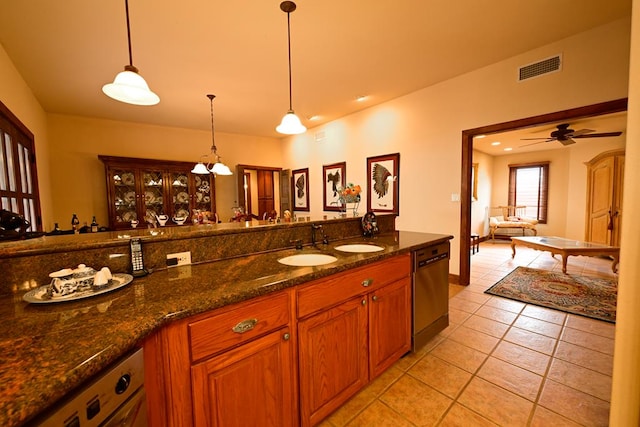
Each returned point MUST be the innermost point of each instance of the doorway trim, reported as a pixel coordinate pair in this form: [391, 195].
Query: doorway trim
[608, 107]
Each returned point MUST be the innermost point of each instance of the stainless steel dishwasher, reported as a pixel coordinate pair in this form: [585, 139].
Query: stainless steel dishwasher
[430, 293]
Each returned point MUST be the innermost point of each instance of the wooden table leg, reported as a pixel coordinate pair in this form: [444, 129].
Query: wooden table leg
[513, 249]
[564, 263]
[615, 262]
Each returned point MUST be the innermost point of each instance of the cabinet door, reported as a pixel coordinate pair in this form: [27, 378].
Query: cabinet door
[152, 194]
[204, 196]
[122, 192]
[389, 325]
[332, 358]
[179, 194]
[251, 385]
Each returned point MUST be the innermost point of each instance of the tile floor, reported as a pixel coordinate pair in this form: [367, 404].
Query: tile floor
[500, 362]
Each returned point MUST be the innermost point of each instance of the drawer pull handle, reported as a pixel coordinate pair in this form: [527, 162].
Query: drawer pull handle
[364, 302]
[375, 298]
[245, 326]
[367, 282]
[286, 336]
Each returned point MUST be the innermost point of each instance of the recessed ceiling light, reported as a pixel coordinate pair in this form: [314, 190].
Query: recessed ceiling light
[508, 149]
[479, 136]
[361, 98]
[313, 118]
[496, 143]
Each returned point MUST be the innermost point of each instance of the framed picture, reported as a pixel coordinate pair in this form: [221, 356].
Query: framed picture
[300, 189]
[333, 178]
[383, 173]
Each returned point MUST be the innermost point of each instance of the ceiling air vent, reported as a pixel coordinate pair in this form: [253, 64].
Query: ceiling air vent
[546, 66]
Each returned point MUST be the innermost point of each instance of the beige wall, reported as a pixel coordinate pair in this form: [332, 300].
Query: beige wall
[17, 96]
[78, 179]
[480, 208]
[425, 126]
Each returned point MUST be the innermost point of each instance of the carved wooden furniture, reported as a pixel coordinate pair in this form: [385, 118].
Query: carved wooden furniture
[512, 217]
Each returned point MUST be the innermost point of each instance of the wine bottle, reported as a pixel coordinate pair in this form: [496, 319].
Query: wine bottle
[74, 223]
[94, 225]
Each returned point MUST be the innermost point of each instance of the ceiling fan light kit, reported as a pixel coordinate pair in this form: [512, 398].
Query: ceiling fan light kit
[216, 167]
[290, 124]
[129, 86]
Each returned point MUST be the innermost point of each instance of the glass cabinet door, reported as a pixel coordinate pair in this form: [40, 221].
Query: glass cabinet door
[202, 199]
[180, 194]
[124, 188]
[152, 194]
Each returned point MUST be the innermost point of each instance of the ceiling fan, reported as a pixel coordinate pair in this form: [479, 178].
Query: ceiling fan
[565, 135]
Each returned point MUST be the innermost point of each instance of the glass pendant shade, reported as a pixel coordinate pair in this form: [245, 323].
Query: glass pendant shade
[200, 169]
[220, 169]
[130, 87]
[291, 124]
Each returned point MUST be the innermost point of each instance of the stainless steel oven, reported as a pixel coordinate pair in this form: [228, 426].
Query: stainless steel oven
[115, 398]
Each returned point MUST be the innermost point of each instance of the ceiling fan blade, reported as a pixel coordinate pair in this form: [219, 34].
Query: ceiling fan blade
[534, 143]
[566, 141]
[598, 135]
[580, 132]
[532, 139]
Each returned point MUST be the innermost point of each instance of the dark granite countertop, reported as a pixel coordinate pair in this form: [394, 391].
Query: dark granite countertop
[48, 350]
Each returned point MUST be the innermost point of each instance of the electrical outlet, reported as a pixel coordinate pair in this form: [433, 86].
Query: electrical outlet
[180, 258]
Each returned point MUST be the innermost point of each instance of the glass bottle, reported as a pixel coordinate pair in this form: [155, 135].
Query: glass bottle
[74, 223]
[94, 225]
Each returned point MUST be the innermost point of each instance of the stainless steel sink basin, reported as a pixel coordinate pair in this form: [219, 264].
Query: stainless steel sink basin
[307, 260]
[359, 248]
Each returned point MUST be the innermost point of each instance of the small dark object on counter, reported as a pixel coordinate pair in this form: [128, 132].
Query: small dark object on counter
[369, 224]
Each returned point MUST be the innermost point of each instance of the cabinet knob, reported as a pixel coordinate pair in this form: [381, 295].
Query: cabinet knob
[364, 302]
[375, 297]
[367, 282]
[286, 336]
[244, 326]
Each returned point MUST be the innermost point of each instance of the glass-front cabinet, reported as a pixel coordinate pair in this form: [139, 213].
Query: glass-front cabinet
[153, 192]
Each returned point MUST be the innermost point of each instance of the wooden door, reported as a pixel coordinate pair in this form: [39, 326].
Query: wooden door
[252, 385]
[389, 325]
[333, 361]
[266, 202]
[604, 198]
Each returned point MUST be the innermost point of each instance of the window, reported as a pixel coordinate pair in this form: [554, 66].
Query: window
[529, 186]
[18, 178]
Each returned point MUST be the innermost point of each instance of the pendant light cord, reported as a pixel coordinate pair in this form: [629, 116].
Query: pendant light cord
[126, 7]
[289, 44]
[213, 137]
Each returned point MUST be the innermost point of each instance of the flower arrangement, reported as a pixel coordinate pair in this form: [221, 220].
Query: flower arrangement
[350, 193]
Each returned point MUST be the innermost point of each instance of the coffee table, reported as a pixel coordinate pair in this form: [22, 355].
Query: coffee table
[566, 248]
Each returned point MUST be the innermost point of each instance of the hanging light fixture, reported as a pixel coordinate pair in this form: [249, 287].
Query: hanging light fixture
[129, 86]
[290, 124]
[217, 167]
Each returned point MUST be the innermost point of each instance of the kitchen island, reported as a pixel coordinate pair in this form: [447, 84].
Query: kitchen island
[49, 350]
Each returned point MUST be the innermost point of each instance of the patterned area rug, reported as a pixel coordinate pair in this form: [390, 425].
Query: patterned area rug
[587, 296]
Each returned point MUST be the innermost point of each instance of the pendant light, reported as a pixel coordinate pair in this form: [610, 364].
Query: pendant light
[217, 168]
[290, 124]
[129, 86]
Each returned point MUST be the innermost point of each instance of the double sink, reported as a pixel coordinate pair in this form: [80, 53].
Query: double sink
[314, 259]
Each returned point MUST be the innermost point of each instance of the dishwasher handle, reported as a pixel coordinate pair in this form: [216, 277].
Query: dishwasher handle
[427, 261]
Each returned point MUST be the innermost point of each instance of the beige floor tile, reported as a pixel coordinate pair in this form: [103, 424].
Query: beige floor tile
[588, 340]
[459, 416]
[474, 339]
[538, 326]
[513, 378]
[531, 340]
[543, 417]
[546, 314]
[463, 305]
[478, 298]
[380, 415]
[593, 326]
[495, 403]
[583, 379]
[442, 376]
[457, 317]
[497, 314]
[585, 357]
[488, 326]
[575, 405]
[523, 357]
[352, 407]
[416, 401]
[459, 355]
[506, 304]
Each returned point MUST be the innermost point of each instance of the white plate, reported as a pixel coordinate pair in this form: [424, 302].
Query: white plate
[128, 179]
[130, 197]
[182, 197]
[35, 296]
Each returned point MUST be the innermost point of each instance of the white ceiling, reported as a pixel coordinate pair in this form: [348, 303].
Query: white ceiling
[66, 50]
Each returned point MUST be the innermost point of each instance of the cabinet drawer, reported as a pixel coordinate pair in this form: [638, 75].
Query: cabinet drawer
[238, 324]
[329, 291]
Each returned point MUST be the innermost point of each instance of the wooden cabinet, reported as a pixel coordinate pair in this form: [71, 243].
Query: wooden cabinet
[605, 182]
[351, 328]
[140, 189]
[231, 367]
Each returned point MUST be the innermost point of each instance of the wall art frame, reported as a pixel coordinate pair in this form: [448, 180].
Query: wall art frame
[333, 178]
[300, 189]
[383, 189]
